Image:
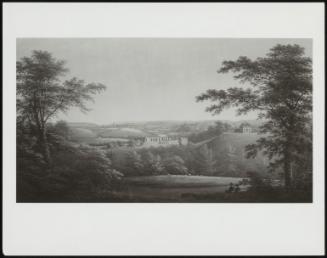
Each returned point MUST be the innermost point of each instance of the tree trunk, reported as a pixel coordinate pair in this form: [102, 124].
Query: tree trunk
[45, 146]
[287, 174]
[288, 154]
[287, 169]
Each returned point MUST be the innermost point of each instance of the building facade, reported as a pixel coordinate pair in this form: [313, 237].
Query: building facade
[247, 129]
[162, 140]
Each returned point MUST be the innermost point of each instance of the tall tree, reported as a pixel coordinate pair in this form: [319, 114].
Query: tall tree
[279, 87]
[152, 163]
[133, 164]
[41, 94]
[206, 162]
[175, 165]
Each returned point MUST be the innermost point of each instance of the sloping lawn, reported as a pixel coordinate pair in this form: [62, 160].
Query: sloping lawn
[171, 181]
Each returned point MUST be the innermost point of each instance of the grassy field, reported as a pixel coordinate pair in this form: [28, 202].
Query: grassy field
[172, 188]
[199, 189]
[172, 181]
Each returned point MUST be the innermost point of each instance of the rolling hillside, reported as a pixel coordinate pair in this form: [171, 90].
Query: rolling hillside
[98, 134]
[121, 133]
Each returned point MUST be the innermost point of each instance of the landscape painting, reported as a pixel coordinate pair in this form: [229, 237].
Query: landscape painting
[164, 120]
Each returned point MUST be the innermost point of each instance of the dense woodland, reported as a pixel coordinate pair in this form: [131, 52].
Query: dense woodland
[53, 166]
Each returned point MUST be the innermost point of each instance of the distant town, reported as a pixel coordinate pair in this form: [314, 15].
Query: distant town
[150, 134]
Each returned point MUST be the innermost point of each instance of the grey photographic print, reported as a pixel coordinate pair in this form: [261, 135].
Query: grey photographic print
[164, 120]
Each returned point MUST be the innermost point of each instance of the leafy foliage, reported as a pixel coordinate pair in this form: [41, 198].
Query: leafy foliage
[41, 95]
[51, 167]
[279, 87]
[175, 165]
[205, 161]
[77, 173]
[153, 163]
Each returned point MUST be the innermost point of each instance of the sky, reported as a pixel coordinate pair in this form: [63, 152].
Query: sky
[151, 79]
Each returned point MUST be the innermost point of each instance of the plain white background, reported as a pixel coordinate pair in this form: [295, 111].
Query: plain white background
[162, 229]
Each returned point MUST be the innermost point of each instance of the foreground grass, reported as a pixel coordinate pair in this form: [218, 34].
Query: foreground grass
[184, 189]
[201, 189]
[269, 195]
[171, 181]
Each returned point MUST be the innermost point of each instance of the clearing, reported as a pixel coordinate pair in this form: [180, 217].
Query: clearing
[172, 187]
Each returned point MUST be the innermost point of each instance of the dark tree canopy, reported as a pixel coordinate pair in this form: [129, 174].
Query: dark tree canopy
[279, 87]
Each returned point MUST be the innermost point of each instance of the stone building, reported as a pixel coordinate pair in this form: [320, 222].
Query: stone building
[163, 140]
[246, 128]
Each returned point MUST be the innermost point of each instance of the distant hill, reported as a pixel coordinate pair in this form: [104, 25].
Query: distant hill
[98, 134]
[254, 123]
[82, 125]
[121, 133]
[227, 150]
[82, 135]
[83, 132]
[89, 132]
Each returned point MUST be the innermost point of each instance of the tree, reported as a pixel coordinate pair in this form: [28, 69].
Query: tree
[279, 87]
[41, 95]
[184, 128]
[175, 165]
[212, 131]
[302, 169]
[133, 163]
[78, 172]
[58, 134]
[152, 163]
[205, 160]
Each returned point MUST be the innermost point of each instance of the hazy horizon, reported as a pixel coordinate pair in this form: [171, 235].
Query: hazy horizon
[151, 79]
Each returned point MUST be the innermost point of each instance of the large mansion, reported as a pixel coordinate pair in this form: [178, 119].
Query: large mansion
[163, 140]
